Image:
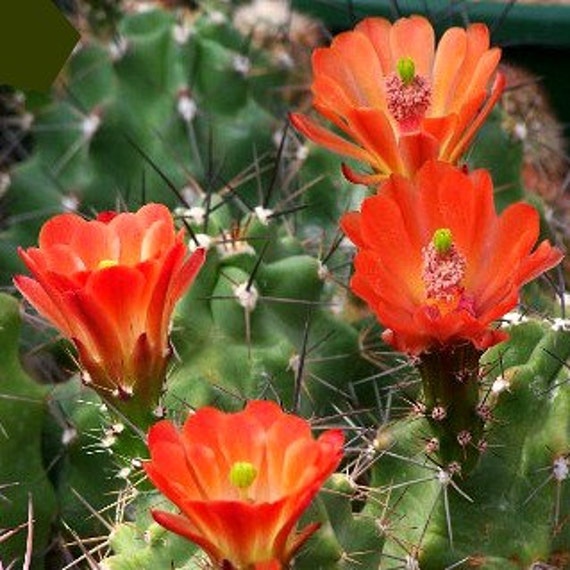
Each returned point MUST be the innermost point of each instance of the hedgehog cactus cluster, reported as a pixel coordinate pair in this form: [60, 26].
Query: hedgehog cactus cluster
[231, 351]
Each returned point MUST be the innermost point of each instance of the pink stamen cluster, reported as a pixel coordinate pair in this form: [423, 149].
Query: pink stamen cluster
[408, 103]
[443, 272]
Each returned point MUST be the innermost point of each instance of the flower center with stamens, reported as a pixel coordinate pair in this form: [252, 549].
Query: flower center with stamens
[408, 95]
[242, 475]
[443, 273]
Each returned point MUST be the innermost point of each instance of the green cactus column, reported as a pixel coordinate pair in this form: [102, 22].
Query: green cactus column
[24, 481]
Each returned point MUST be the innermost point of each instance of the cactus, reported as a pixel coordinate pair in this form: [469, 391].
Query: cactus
[187, 107]
[25, 484]
[448, 518]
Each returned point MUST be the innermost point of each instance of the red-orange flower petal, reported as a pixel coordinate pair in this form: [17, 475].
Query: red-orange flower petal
[327, 138]
[254, 525]
[493, 259]
[351, 62]
[110, 286]
[394, 125]
[413, 37]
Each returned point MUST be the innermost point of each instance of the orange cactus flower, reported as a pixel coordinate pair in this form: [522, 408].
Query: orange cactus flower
[241, 481]
[435, 262]
[398, 99]
[110, 286]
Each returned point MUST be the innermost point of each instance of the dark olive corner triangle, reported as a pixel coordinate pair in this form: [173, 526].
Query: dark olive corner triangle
[35, 41]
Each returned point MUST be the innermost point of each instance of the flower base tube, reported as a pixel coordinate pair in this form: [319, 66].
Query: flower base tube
[450, 380]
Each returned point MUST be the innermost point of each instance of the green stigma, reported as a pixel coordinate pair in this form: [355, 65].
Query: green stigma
[442, 240]
[242, 474]
[406, 70]
[104, 263]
